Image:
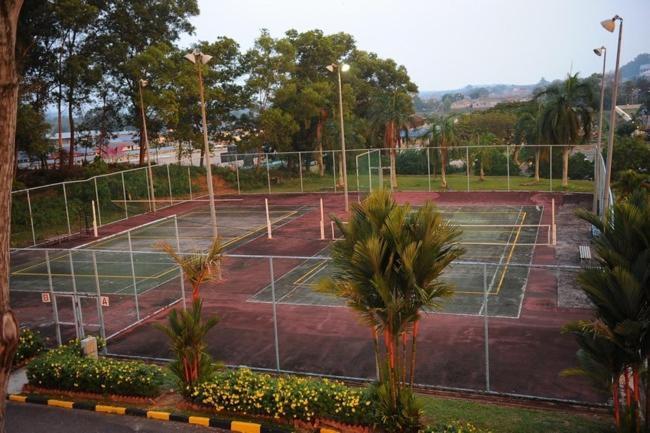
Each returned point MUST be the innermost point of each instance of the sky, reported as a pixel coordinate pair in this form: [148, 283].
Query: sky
[447, 44]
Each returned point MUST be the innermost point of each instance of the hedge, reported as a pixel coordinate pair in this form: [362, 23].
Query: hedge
[285, 397]
[65, 368]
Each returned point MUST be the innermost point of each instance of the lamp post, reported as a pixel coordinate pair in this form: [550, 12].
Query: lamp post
[200, 59]
[610, 26]
[344, 68]
[600, 52]
[141, 84]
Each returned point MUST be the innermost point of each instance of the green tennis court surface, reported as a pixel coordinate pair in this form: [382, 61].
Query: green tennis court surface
[130, 262]
[503, 235]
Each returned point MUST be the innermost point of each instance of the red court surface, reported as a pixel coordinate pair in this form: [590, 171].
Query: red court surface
[526, 354]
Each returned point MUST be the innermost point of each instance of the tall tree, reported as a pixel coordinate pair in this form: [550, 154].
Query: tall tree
[443, 136]
[9, 12]
[127, 29]
[566, 116]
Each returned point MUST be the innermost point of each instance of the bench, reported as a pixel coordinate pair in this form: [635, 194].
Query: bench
[585, 252]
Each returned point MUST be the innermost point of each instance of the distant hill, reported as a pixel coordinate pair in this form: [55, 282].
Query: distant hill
[633, 69]
[492, 90]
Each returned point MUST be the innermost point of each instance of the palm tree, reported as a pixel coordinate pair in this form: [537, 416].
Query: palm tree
[388, 267]
[485, 152]
[186, 332]
[198, 267]
[566, 117]
[443, 136]
[619, 288]
[527, 132]
[390, 111]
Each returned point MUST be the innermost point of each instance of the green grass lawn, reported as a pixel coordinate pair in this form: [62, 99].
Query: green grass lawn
[504, 419]
[456, 182]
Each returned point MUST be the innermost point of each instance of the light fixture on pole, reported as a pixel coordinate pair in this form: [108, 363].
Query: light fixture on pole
[610, 26]
[145, 141]
[600, 52]
[200, 59]
[342, 67]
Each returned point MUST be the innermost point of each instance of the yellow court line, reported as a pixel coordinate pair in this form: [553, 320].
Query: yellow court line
[308, 274]
[258, 229]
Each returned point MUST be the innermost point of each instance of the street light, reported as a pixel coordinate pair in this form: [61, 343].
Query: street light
[200, 59]
[342, 67]
[610, 26]
[602, 51]
[143, 83]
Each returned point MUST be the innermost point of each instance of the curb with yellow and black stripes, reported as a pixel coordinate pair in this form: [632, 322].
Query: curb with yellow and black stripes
[235, 426]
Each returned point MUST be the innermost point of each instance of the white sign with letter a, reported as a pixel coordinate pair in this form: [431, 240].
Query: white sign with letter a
[105, 301]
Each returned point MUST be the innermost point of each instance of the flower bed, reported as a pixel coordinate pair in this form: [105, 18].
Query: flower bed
[30, 344]
[454, 427]
[285, 397]
[65, 368]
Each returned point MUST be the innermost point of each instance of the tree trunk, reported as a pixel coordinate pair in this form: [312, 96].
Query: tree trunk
[142, 147]
[389, 139]
[537, 156]
[515, 155]
[202, 156]
[9, 11]
[565, 166]
[319, 146]
[71, 123]
[481, 171]
[60, 126]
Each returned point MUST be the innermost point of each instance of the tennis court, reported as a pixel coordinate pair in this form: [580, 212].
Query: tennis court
[504, 236]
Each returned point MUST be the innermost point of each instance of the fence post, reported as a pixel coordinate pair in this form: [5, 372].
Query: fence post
[268, 174]
[466, 163]
[381, 172]
[178, 248]
[508, 165]
[485, 329]
[189, 180]
[300, 170]
[369, 173]
[169, 182]
[146, 175]
[31, 217]
[237, 174]
[135, 285]
[428, 170]
[55, 308]
[126, 205]
[550, 167]
[334, 168]
[67, 213]
[99, 212]
[275, 317]
[76, 310]
[100, 311]
[356, 166]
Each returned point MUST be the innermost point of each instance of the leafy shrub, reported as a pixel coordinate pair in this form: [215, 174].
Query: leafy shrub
[30, 344]
[579, 166]
[496, 163]
[390, 417]
[454, 427]
[65, 368]
[288, 397]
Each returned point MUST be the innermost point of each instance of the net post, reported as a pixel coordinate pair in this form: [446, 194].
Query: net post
[466, 159]
[508, 165]
[31, 217]
[100, 311]
[189, 180]
[55, 308]
[99, 214]
[92, 203]
[485, 329]
[429, 169]
[126, 205]
[275, 317]
[550, 167]
[180, 269]
[135, 284]
[268, 174]
[169, 183]
[67, 213]
[300, 171]
[333, 234]
[553, 230]
[322, 220]
[268, 219]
